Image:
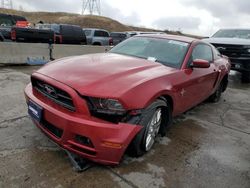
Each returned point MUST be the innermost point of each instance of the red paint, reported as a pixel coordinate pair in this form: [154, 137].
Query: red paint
[134, 82]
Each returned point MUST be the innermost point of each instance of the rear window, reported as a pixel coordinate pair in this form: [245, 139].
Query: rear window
[6, 20]
[99, 33]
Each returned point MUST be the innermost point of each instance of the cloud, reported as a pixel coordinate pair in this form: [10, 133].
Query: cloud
[115, 13]
[75, 6]
[222, 8]
[177, 23]
[50, 5]
[229, 13]
[193, 16]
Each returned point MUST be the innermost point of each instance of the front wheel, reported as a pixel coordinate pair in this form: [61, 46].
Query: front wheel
[155, 120]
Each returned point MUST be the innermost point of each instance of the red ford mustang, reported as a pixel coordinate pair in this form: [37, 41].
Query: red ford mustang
[99, 106]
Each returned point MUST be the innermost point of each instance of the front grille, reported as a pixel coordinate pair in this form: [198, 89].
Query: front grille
[52, 129]
[233, 51]
[53, 93]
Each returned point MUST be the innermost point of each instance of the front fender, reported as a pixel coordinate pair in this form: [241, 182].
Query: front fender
[145, 93]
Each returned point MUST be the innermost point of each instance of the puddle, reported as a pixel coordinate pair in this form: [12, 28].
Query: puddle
[152, 177]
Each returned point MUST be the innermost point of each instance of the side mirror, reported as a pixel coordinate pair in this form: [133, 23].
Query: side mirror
[200, 63]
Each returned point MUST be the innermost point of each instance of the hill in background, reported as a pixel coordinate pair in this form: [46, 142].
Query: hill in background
[85, 21]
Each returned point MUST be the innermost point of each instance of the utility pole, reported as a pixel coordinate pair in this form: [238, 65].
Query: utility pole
[91, 7]
[7, 4]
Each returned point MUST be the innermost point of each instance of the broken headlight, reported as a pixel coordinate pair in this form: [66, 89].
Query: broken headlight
[107, 106]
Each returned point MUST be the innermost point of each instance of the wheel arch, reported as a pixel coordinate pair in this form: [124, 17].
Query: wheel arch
[168, 99]
[224, 81]
[97, 44]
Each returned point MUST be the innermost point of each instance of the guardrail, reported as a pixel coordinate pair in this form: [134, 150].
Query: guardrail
[36, 53]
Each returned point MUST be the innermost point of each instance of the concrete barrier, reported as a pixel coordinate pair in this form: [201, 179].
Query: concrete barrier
[23, 53]
[32, 53]
[60, 50]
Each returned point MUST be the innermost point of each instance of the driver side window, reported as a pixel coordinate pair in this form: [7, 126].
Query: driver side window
[202, 51]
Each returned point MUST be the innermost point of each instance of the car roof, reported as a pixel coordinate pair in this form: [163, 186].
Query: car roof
[119, 32]
[94, 29]
[171, 37]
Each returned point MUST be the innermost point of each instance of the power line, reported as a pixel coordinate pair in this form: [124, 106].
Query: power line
[91, 7]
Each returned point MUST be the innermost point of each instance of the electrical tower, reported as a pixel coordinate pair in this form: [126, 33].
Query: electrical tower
[7, 4]
[91, 7]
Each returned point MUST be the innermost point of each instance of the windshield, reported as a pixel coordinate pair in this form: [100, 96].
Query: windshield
[167, 52]
[233, 33]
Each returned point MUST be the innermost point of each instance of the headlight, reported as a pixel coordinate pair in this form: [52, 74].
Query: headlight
[107, 106]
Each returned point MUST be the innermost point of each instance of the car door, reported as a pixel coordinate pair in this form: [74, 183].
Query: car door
[78, 35]
[115, 37]
[66, 32]
[102, 37]
[198, 83]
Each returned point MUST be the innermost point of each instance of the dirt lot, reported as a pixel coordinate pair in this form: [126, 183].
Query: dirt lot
[208, 146]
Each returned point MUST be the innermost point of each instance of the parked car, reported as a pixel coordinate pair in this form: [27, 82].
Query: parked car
[31, 35]
[120, 101]
[133, 33]
[119, 37]
[7, 21]
[234, 43]
[98, 37]
[65, 34]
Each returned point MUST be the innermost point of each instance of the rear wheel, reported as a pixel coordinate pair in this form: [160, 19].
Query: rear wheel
[155, 120]
[97, 44]
[217, 94]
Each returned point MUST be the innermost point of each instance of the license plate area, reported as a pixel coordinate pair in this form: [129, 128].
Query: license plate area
[35, 111]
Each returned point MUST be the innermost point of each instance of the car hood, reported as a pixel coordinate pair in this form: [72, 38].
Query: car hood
[105, 74]
[234, 41]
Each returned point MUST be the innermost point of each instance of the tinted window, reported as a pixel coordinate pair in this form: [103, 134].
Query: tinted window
[202, 51]
[118, 35]
[114, 35]
[164, 51]
[6, 20]
[99, 33]
[44, 26]
[67, 30]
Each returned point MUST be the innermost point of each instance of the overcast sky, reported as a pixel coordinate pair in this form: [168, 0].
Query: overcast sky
[201, 17]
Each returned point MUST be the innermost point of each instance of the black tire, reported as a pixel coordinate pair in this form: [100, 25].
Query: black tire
[245, 77]
[1, 37]
[217, 94]
[97, 44]
[138, 146]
